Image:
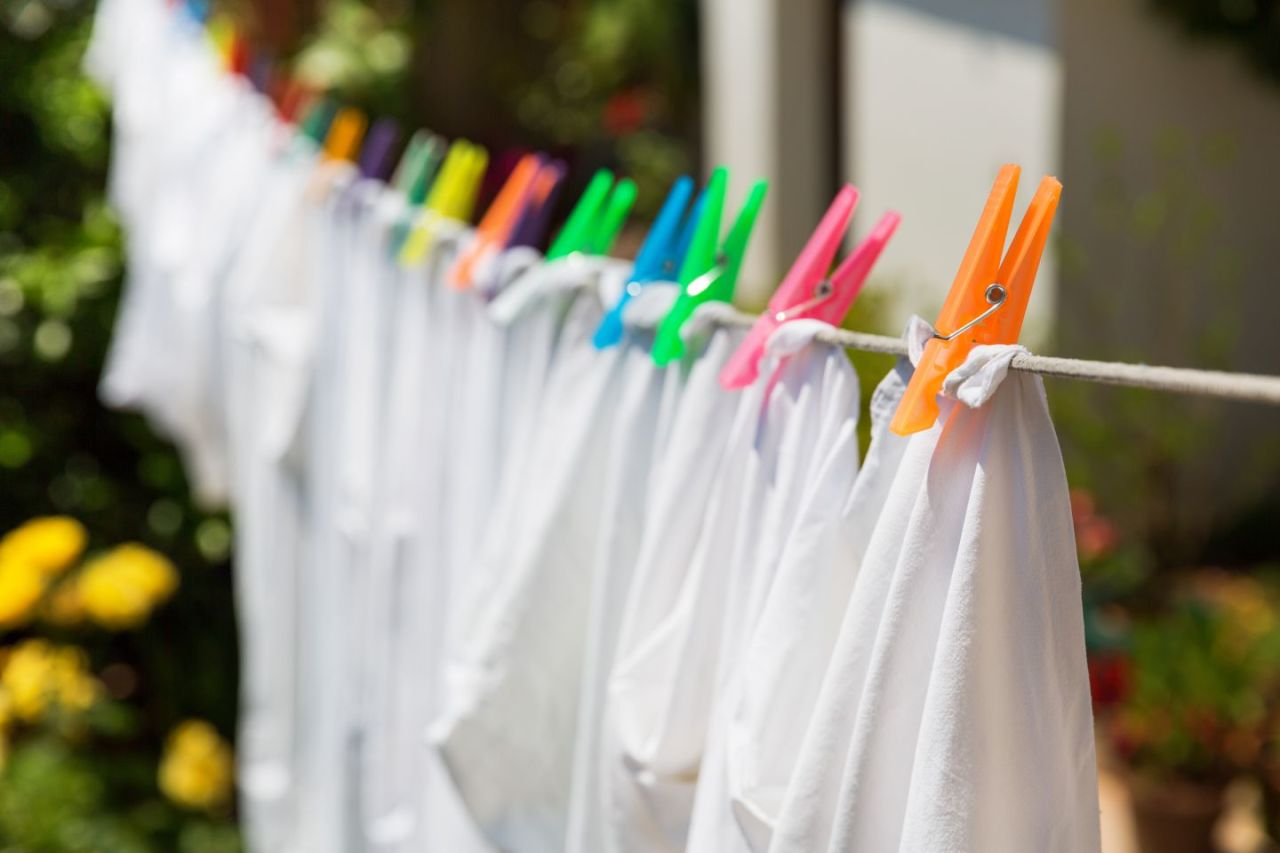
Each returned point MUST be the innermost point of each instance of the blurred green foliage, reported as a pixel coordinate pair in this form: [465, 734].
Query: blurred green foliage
[61, 452]
[1204, 696]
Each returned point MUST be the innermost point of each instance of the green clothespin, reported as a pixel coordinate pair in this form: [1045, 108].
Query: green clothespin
[578, 227]
[707, 275]
[417, 169]
[316, 125]
[602, 238]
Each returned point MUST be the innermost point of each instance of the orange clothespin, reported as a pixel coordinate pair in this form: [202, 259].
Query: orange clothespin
[343, 139]
[988, 299]
[498, 222]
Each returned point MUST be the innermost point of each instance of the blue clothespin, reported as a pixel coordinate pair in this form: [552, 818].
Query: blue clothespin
[659, 258]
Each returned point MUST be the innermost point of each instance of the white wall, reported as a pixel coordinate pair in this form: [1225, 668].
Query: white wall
[937, 96]
[767, 113]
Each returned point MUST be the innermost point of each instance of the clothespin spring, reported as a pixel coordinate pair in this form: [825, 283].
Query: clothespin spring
[823, 291]
[996, 295]
[709, 277]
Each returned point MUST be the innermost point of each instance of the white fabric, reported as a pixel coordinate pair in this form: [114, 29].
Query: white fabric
[514, 667]
[650, 746]
[799, 467]
[268, 333]
[646, 402]
[955, 713]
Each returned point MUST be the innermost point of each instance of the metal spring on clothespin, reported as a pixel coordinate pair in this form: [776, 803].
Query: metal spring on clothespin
[823, 291]
[709, 277]
[996, 295]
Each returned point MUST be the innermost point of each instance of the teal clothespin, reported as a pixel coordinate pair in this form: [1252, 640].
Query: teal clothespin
[708, 275]
[318, 120]
[413, 177]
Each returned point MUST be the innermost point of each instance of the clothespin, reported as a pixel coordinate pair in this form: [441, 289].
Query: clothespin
[988, 299]
[707, 275]
[220, 32]
[343, 140]
[418, 166]
[591, 230]
[262, 74]
[238, 54]
[498, 222]
[808, 291]
[319, 116]
[375, 156]
[451, 196]
[658, 260]
[461, 201]
[536, 214]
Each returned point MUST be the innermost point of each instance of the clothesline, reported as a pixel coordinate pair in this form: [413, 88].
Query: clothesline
[1249, 387]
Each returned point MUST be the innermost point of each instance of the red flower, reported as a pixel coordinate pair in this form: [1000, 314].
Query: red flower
[625, 112]
[1109, 679]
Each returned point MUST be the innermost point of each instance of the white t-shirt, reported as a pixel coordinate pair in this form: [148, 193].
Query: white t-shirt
[955, 714]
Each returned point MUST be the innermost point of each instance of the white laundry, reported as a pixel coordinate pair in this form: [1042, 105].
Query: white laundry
[269, 313]
[409, 803]
[955, 713]
[515, 665]
[649, 751]
[800, 465]
[648, 399]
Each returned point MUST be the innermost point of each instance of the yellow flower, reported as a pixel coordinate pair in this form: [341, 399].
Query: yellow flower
[21, 586]
[48, 544]
[196, 768]
[121, 588]
[39, 675]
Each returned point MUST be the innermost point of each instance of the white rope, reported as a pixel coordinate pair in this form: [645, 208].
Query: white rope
[1179, 380]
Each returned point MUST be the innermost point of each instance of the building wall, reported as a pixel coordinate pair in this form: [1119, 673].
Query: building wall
[937, 95]
[1170, 235]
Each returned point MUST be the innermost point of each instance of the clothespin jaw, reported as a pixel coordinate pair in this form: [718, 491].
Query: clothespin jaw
[809, 290]
[537, 212]
[375, 156]
[451, 196]
[577, 228]
[658, 259]
[706, 278]
[498, 221]
[605, 234]
[988, 300]
[319, 117]
[343, 140]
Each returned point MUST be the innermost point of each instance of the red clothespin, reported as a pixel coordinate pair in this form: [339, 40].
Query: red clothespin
[808, 291]
[988, 300]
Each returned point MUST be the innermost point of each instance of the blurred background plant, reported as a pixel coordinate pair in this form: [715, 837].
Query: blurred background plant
[80, 767]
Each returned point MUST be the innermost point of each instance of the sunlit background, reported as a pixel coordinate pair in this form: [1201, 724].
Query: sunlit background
[118, 665]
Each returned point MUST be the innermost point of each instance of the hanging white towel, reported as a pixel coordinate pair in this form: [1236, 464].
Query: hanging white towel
[955, 713]
[650, 746]
[785, 658]
[515, 666]
[267, 333]
[799, 469]
[646, 406]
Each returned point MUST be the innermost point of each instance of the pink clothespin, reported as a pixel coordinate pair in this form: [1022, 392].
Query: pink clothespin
[808, 291]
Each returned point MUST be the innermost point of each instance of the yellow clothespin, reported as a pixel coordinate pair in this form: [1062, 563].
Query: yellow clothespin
[452, 196]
